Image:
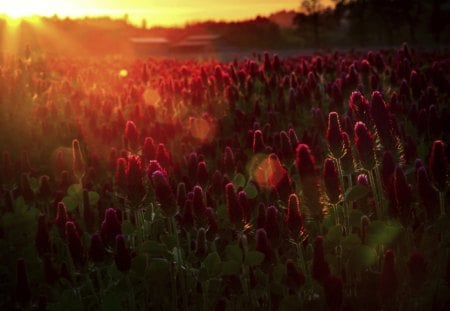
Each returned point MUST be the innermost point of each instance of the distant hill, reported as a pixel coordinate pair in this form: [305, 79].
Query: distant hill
[283, 18]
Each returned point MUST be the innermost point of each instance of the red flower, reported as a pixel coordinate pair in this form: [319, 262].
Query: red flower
[334, 136]
[294, 220]
[164, 194]
[364, 146]
[110, 226]
[331, 181]
[131, 135]
[74, 243]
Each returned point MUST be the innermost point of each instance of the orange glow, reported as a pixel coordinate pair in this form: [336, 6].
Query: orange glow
[266, 171]
[155, 12]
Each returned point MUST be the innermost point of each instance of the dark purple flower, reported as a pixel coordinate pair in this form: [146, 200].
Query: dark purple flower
[74, 243]
[263, 245]
[148, 149]
[110, 226]
[358, 104]
[164, 194]
[294, 220]
[131, 135]
[305, 162]
[364, 146]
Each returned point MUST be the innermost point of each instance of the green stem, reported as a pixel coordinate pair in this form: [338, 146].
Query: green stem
[345, 212]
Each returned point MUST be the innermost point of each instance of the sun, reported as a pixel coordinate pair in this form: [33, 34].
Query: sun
[17, 9]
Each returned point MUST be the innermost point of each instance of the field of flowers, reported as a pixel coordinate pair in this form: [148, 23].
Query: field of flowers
[313, 182]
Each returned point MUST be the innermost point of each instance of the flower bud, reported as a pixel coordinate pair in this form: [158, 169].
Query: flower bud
[199, 206]
[294, 220]
[131, 135]
[331, 181]
[164, 194]
[263, 245]
[402, 189]
[120, 175]
[148, 149]
[110, 226]
[74, 243]
[163, 156]
[305, 162]
[44, 187]
[229, 164]
[364, 146]
[358, 104]
[347, 158]
[133, 173]
[334, 136]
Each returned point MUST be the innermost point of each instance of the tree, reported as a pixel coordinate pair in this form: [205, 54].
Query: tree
[312, 10]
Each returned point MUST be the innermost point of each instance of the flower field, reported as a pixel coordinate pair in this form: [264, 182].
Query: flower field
[311, 182]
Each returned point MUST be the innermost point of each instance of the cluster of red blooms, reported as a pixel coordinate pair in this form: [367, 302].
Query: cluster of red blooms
[138, 144]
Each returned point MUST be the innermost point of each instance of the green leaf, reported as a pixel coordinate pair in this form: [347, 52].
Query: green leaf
[380, 232]
[212, 264]
[356, 192]
[239, 180]
[70, 202]
[127, 227]
[230, 267]
[93, 197]
[251, 191]
[253, 258]
[233, 252]
[362, 258]
[74, 190]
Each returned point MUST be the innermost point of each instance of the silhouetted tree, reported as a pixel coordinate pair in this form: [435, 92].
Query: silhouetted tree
[312, 10]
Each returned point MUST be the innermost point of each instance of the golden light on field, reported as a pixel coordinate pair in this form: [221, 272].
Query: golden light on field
[155, 12]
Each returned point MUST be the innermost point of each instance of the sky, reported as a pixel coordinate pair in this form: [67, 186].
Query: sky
[156, 12]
